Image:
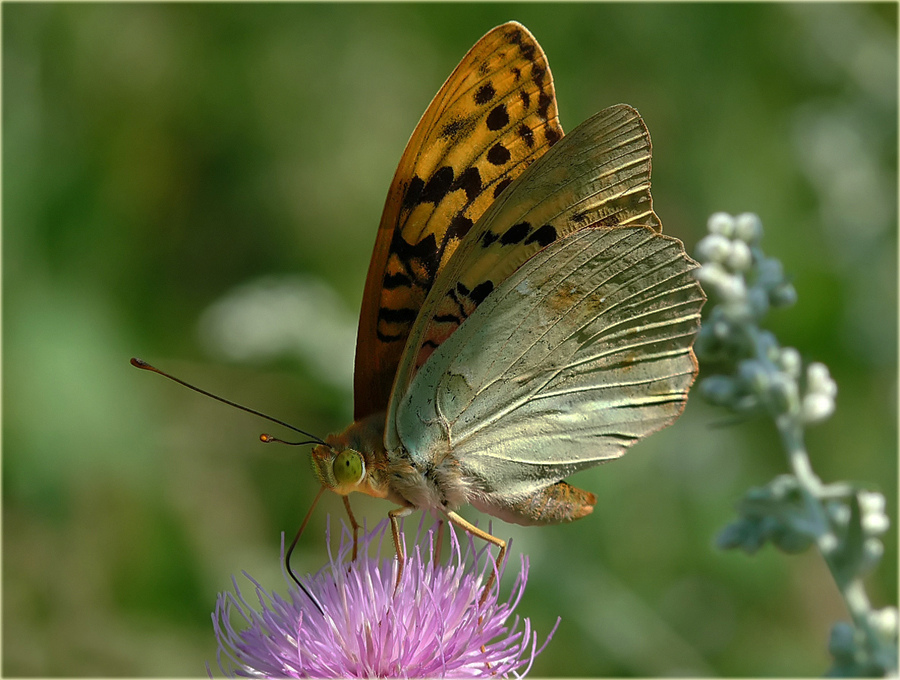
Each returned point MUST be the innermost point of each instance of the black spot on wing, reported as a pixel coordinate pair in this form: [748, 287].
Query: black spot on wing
[402, 315]
[537, 74]
[446, 318]
[498, 118]
[552, 135]
[527, 135]
[527, 48]
[543, 236]
[488, 238]
[515, 234]
[525, 96]
[454, 298]
[470, 181]
[425, 253]
[481, 291]
[544, 102]
[392, 281]
[517, 73]
[413, 192]
[484, 94]
[498, 154]
[437, 186]
[501, 185]
[459, 227]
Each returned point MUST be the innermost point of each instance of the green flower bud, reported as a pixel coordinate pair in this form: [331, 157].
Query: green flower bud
[872, 551]
[784, 295]
[768, 345]
[842, 643]
[838, 512]
[783, 394]
[719, 389]
[771, 272]
[758, 301]
[754, 375]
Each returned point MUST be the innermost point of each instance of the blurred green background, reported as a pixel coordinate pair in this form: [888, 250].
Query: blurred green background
[200, 184]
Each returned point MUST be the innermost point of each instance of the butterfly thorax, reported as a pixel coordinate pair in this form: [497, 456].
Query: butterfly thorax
[356, 460]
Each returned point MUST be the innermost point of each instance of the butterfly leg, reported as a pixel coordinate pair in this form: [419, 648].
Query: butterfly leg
[354, 524]
[475, 531]
[394, 516]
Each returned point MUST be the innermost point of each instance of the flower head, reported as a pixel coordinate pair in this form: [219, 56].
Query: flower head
[432, 625]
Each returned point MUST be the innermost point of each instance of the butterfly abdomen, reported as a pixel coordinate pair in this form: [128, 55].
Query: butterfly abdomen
[554, 504]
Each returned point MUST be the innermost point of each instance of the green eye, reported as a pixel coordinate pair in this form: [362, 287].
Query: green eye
[348, 467]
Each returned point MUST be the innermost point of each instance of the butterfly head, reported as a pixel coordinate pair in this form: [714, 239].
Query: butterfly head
[353, 459]
[342, 470]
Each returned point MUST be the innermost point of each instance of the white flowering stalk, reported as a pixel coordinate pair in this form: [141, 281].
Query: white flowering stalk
[794, 510]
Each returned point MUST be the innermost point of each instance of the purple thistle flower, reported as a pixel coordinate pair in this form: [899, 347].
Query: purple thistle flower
[432, 626]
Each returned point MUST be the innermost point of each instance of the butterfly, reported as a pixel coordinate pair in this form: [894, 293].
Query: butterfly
[523, 317]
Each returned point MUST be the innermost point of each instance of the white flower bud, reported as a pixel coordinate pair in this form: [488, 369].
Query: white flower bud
[713, 248]
[875, 523]
[828, 543]
[748, 228]
[732, 288]
[884, 621]
[739, 257]
[871, 501]
[817, 407]
[721, 223]
[873, 550]
[710, 274]
[790, 362]
[819, 380]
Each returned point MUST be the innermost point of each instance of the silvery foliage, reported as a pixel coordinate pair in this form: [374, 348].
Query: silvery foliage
[794, 510]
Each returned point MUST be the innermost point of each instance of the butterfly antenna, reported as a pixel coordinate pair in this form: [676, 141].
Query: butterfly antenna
[269, 439]
[139, 363]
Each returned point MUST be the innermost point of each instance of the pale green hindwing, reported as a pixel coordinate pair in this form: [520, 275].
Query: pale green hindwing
[581, 352]
[599, 174]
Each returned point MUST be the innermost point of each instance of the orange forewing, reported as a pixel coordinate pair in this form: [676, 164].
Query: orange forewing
[495, 115]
